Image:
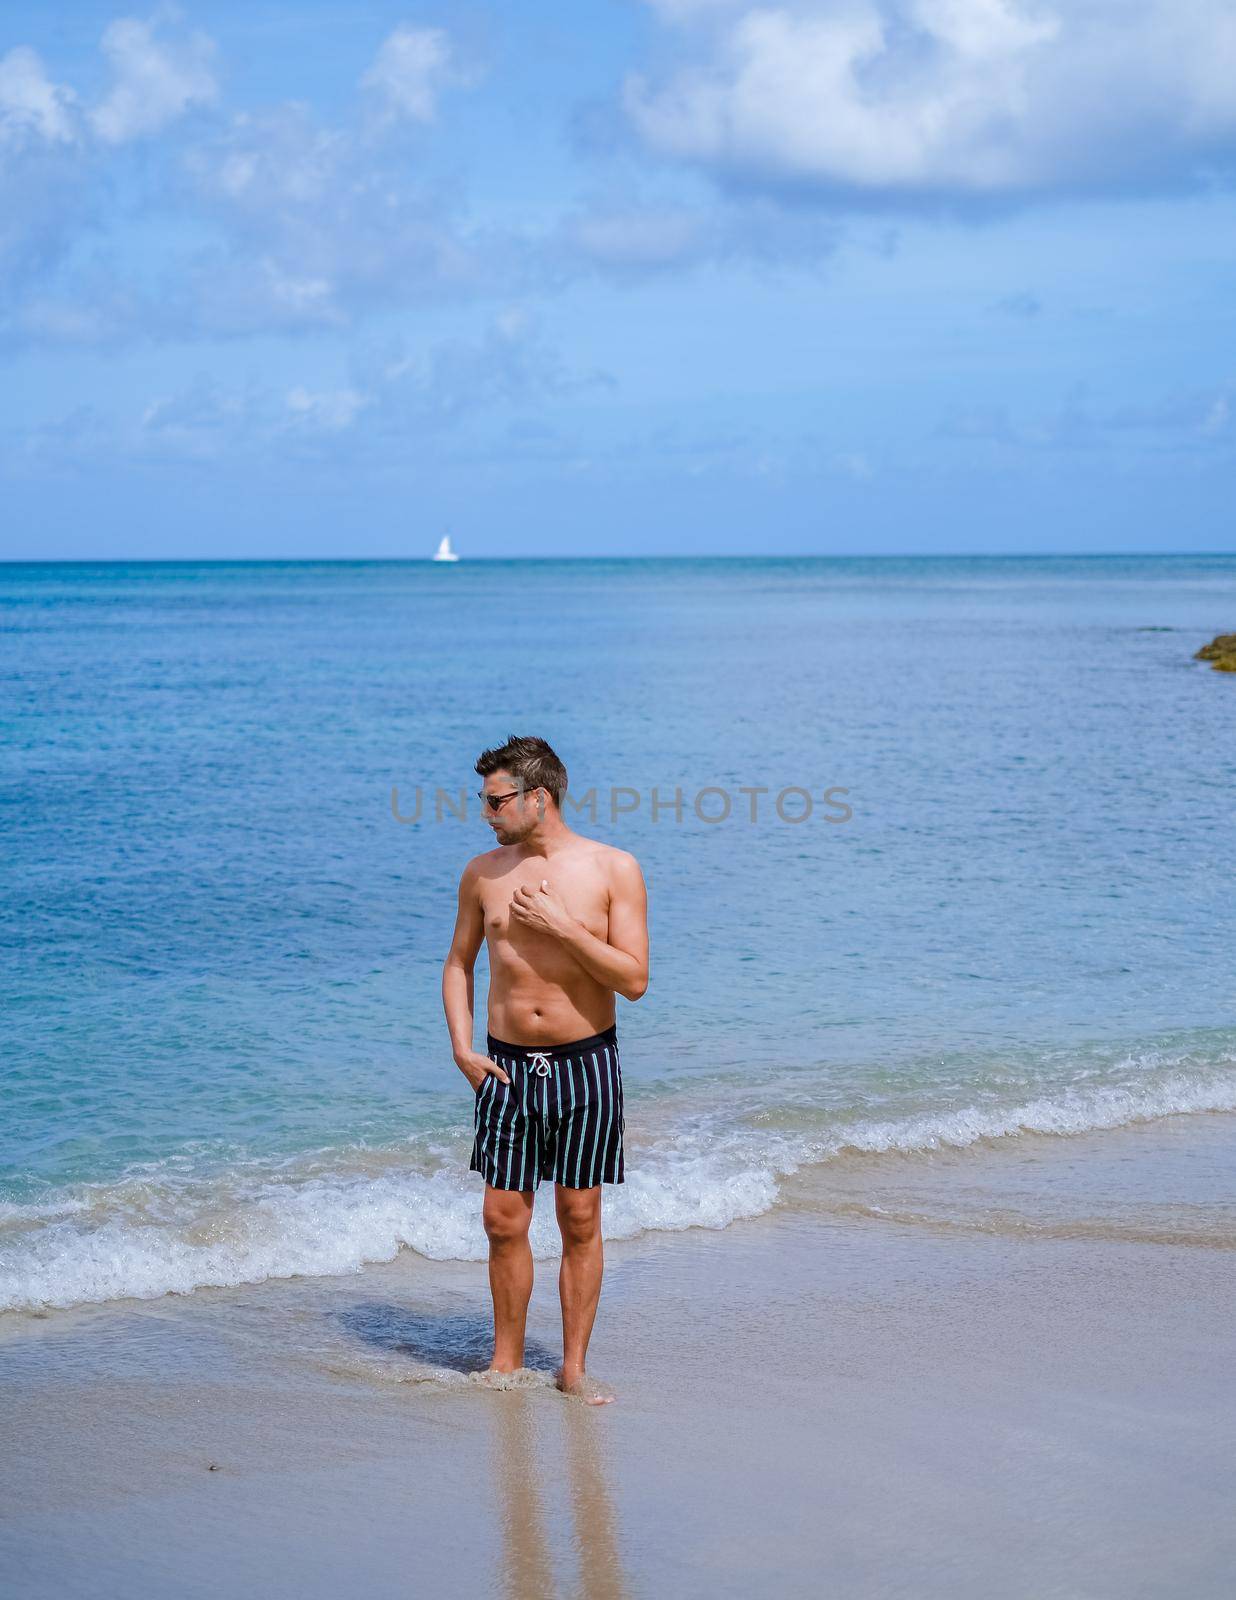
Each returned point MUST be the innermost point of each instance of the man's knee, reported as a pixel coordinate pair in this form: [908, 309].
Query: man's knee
[579, 1214]
[507, 1215]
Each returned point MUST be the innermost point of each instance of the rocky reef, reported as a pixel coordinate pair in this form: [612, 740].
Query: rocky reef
[1220, 652]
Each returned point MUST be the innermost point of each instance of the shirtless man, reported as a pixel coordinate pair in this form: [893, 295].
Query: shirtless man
[566, 921]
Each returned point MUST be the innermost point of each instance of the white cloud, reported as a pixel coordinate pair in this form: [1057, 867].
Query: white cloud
[629, 233]
[394, 402]
[53, 189]
[638, 239]
[46, 200]
[321, 224]
[331, 410]
[686, 10]
[293, 222]
[981, 97]
[1217, 417]
[31, 105]
[410, 70]
[1189, 423]
[854, 464]
[156, 80]
[200, 408]
[510, 363]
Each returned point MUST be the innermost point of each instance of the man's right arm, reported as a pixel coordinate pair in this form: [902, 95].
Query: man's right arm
[457, 985]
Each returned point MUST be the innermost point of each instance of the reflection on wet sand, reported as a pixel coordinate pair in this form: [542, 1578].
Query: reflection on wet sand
[542, 1445]
[596, 1527]
[525, 1463]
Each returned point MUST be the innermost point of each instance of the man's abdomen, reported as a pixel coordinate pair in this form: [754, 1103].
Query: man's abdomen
[538, 1013]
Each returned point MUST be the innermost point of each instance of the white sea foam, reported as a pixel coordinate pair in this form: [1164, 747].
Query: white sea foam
[1077, 1110]
[156, 1235]
[15, 1214]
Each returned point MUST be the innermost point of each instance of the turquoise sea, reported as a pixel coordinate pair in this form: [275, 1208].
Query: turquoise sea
[223, 1052]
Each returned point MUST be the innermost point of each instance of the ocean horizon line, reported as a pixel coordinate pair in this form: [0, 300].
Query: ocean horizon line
[735, 557]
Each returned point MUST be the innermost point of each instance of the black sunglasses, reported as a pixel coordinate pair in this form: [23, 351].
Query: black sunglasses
[495, 802]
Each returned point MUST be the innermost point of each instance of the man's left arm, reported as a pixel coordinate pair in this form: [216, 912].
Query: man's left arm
[622, 963]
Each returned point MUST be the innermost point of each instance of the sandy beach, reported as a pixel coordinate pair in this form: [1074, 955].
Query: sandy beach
[819, 1400]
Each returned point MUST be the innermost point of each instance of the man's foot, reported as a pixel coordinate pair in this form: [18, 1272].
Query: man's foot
[581, 1386]
[496, 1378]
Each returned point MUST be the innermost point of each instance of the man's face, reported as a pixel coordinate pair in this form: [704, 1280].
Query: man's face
[517, 812]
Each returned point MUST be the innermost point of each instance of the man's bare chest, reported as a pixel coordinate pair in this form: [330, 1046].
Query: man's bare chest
[585, 895]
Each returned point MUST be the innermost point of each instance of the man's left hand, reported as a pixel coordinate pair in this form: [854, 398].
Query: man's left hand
[542, 909]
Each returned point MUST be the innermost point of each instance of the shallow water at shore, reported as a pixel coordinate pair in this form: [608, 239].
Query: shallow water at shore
[696, 1159]
[825, 1396]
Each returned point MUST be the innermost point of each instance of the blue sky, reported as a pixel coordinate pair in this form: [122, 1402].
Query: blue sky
[657, 276]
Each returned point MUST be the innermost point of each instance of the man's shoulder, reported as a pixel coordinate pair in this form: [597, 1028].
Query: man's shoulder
[485, 864]
[614, 862]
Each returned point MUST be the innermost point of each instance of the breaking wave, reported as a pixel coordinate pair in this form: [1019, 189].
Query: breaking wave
[153, 1233]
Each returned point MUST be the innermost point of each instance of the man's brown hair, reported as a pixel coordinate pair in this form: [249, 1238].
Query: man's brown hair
[530, 761]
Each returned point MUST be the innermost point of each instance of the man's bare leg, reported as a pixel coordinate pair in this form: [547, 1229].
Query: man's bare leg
[507, 1216]
[579, 1286]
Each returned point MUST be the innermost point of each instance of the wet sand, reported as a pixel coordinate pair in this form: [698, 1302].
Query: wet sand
[822, 1400]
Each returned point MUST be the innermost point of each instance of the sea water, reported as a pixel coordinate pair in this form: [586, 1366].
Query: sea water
[939, 852]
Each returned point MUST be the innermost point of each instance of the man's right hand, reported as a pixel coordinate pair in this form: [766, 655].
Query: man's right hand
[476, 1067]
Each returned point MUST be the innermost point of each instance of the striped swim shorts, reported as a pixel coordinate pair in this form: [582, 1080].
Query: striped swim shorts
[561, 1115]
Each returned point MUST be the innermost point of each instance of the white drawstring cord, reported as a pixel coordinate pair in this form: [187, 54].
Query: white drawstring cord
[540, 1063]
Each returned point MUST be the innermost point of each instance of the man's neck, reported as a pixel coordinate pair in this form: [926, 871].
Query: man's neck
[550, 838]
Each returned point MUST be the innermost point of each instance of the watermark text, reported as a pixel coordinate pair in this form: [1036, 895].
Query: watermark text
[713, 804]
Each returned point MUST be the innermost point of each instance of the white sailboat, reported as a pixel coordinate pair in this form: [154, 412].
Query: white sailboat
[444, 551]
